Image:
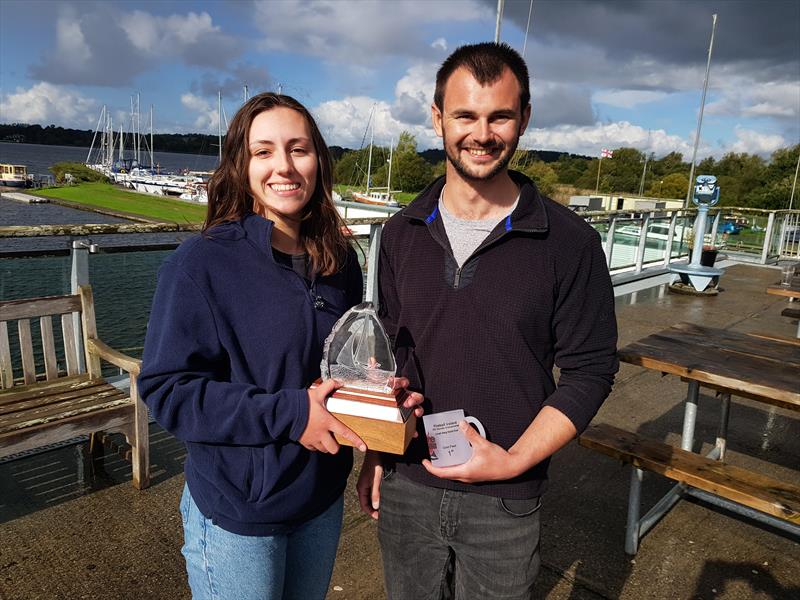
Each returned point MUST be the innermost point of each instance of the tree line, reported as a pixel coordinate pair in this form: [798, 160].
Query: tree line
[745, 180]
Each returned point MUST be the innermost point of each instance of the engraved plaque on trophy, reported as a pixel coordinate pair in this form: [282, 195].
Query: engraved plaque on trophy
[358, 354]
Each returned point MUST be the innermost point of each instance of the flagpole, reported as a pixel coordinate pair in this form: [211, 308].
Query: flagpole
[597, 186]
[700, 116]
[500, 4]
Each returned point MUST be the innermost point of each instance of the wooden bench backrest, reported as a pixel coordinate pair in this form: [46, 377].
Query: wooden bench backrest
[16, 316]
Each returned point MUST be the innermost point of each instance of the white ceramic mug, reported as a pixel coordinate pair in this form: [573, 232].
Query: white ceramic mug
[447, 446]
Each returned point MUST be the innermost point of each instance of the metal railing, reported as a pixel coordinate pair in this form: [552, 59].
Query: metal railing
[637, 245]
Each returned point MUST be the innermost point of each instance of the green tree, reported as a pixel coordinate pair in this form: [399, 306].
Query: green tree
[624, 170]
[673, 186]
[740, 176]
[671, 163]
[778, 179]
[570, 168]
[543, 175]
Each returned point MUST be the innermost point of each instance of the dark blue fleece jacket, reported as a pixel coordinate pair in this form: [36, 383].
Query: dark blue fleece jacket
[233, 341]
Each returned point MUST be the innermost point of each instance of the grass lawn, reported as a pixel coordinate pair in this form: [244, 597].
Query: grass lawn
[105, 195]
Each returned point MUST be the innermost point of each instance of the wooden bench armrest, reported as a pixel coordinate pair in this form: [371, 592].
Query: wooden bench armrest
[115, 357]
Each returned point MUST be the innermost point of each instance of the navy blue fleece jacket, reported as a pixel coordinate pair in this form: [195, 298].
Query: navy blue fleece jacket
[233, 341]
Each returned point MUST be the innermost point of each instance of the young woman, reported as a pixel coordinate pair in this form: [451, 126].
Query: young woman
[234, 340]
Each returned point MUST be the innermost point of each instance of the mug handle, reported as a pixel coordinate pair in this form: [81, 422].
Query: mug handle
[478, 425]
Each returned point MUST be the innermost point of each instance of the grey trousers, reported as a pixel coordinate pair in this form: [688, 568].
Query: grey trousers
[443, 544]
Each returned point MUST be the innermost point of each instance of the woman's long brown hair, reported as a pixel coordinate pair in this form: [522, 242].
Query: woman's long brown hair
[229, 197]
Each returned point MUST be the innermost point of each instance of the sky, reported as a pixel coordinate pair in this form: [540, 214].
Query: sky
[604, 74]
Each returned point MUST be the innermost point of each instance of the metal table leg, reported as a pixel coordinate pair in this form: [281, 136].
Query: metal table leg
[690, 416]
[722, 434]
[634, 503]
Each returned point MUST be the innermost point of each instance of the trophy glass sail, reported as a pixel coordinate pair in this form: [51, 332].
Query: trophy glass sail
[358, 354]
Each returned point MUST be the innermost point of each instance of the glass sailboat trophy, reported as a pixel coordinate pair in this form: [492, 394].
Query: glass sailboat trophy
[358, 354]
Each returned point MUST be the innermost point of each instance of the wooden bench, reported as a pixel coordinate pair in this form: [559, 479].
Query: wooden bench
[44, 400]
[777, 498]
[696, 475]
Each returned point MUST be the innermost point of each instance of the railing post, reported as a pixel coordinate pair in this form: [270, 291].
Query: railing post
[371, 294]
[79, 276]
[768, 237]
[782, 235]
[612, 226]
[670, 236]
[715, 229]
[642, 243]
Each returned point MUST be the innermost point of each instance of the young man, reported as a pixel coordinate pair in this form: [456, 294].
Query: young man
[485, 285]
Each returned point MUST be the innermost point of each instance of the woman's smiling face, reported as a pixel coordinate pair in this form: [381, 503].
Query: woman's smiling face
[282, 172]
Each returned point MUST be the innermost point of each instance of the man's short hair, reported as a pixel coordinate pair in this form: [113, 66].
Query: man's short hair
[486, 61]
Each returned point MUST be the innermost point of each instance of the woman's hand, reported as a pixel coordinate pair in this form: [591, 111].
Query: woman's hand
[318, 434]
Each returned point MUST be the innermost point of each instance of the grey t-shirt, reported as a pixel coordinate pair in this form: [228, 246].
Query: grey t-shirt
[466, 235]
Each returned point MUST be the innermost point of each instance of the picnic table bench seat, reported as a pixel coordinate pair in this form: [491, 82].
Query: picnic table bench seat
[41, 404]
[780, 499]
[792, 313]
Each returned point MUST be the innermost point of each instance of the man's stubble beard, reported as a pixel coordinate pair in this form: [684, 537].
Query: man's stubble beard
[462, 169]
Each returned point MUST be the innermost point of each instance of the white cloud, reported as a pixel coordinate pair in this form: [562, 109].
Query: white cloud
[590, 139]
[754, 142]
[344, 123]
[46, 103]
[174, 36]
[357, 32]
[741, 98]
[414, 94]
[439, 44]
[207, 119]
[627, 98]
[70, 41]
[104, 45]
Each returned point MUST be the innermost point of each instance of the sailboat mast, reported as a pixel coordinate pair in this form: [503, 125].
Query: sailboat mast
[151, 136]
[389, 177]
[371, 139]
[110, 144]
[94, 137]
[219, 124]
[138, 129]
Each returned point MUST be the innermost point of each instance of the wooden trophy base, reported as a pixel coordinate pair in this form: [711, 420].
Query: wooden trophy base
[378, 418]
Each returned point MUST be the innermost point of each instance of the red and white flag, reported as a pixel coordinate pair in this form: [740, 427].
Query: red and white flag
[606, 153]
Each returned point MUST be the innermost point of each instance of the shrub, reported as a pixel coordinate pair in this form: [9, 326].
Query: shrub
[80, 173]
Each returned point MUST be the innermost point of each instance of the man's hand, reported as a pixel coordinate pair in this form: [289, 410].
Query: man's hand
[550, 431]
[489, 461]
[414, 399]
[369, 484]
[318, 434]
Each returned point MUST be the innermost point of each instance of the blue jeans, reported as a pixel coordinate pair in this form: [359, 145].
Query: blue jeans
[226, 566]
[436, 542]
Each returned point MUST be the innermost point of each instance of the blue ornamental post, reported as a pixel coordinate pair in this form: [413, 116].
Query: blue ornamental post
[695, 278]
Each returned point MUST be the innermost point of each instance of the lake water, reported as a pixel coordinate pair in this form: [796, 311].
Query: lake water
[38, 157]
[123, 283]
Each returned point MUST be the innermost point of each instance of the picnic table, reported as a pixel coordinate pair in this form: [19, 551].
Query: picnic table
[759, 367]
[788, 291]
